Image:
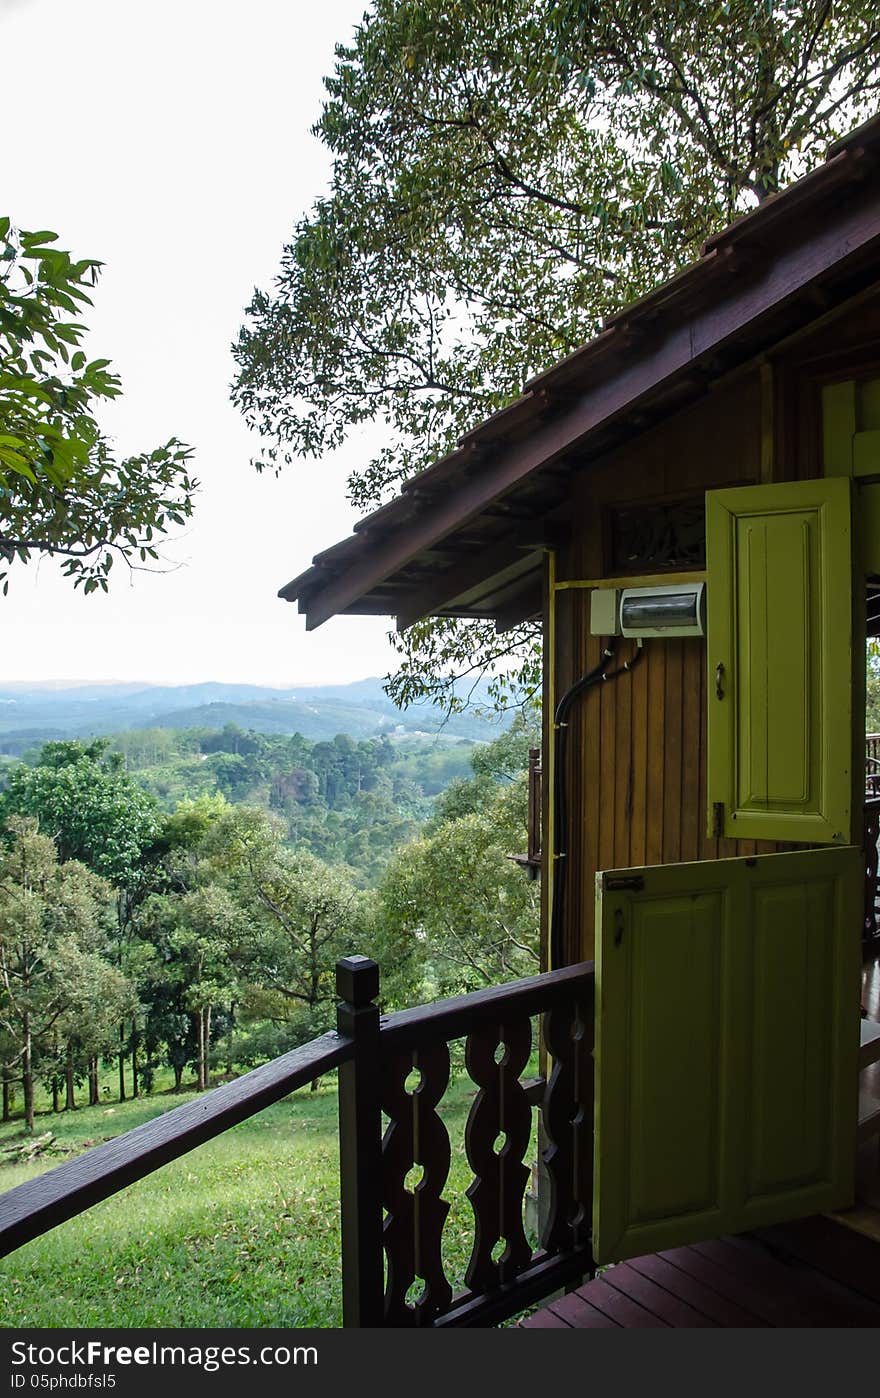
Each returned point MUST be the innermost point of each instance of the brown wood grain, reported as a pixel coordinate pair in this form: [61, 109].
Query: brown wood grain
[655, 772]
[805, 1280]
[639, 763]
[575, 1311]
[692, 800]
[462, 1014]
[619, 1307]
[672, 753]
[718, 1308]
[665, 1304]
[609, 699]
[624, 776]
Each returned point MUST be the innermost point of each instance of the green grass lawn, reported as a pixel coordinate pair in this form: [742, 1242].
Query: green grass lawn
[243, 1231]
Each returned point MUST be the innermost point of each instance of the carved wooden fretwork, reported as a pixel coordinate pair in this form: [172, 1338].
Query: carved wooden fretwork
[413, 1228]
[496, 1140]
[568, 1116]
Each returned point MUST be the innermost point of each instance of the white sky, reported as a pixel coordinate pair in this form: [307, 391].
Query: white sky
[171, 139]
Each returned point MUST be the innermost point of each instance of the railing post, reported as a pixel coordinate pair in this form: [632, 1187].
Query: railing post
[360, 1144]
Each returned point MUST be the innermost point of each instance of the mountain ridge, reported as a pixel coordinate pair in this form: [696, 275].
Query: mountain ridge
[29, 715]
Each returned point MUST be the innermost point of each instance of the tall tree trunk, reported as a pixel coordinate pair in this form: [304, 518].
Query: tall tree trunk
[230, 1065]
[27, 1077]
[204, 1033]
[134, 1064]
[56, 1078]
[178, 1075]
[69, 1084]
[93, 1082]
[5, 1093]
[122, 1062]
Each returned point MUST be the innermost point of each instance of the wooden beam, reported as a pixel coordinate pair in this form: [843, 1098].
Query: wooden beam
[526, 603]
[451, 587]
[831, 243]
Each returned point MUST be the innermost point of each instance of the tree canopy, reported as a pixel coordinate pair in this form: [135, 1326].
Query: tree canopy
[63, 491]
[53, 925]
[507, 174]
[206, 934]
[93, 810]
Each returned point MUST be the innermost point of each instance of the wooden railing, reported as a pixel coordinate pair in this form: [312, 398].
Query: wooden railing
[37, 1205]
[377, 1058]
[872, 764]
[871, 929]
[504, 1274]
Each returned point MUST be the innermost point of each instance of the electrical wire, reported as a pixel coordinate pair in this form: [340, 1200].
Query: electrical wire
[598, 675]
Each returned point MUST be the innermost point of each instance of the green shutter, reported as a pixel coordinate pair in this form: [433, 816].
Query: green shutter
[779, 639]
[726, 1046]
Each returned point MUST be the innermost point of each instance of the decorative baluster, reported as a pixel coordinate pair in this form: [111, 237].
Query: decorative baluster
[498, 1189]
[568, 1124]
[413, 1229]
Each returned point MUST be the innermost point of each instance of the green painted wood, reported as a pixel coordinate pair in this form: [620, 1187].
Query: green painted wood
[779, 624]
[866, 452]
[727, 1038]
[851, 428]
[839, 424]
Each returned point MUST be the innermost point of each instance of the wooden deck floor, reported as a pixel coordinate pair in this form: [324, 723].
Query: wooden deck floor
[810, 1274]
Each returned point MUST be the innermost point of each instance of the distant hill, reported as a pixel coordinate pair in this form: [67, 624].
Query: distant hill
[30, 714]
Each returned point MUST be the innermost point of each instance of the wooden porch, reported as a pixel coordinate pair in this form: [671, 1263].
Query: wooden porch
[815, 1273]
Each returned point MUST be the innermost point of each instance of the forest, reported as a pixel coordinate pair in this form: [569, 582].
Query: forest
[173, 902]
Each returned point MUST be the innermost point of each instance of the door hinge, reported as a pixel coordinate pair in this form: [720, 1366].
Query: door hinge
[718, 819]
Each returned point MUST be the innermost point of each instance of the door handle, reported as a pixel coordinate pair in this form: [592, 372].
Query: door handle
[719, 681]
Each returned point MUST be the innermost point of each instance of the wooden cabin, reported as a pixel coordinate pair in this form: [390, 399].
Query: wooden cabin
[717, 446]
[689, 505]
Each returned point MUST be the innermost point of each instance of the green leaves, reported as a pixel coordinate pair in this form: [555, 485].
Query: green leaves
[53, 921]
[508, 174]
[62, 492]
[456, 891]
[92, 809]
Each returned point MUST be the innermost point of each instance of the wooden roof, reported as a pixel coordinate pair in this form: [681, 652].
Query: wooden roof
[464, 537]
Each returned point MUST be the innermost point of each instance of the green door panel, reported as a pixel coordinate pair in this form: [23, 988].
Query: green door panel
[779, 641]
[726, 1046]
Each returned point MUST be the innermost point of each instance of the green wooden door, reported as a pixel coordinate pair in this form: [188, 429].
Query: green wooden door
[727, 1028]
[779, 649]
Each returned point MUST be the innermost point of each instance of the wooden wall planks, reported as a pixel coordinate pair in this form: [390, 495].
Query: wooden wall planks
[637, 775]
[637, 771]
